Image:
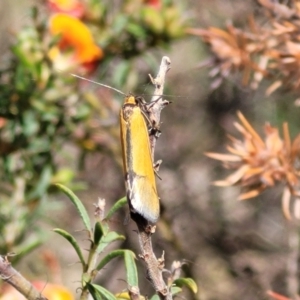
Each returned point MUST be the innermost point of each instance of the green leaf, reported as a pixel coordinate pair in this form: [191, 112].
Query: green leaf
[120, 23]
[153, 19]
[95, 294]
[107, 239]
[73, 242]
[98, 290]
[109, 257]
[78, 204]
[136, 30]
[119, 204]
[131, 271]
[98, 233]
[30, 124]
[174, 27]
[175, 290]
[155, 297]
[121, 73]
[28, 246]
[42, 185]
[188, 282]
[64, 175]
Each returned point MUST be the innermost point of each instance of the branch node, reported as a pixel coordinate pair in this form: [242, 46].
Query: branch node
[164, 292]
[141, 256]
[161, 261]
[150, 229]
[134, 292]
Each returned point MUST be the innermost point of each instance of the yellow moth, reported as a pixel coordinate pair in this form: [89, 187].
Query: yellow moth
[137, 161]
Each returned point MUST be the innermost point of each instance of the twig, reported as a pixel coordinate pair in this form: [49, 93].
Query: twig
[157, 102]
[159, 81]
[14, 278]
[154, 266]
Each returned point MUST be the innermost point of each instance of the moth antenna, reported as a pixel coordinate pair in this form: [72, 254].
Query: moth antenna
[102, 84]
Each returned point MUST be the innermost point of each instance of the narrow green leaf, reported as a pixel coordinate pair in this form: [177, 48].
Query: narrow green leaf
[98, 233]
[78, 204]
[119, 24]
[42, 185]
[136, 30]
[112, 236]
[73, 242]
[107, 239]
[64, 176]
[121, 73]
[188, 282]
[102, 291]
[95, 293]
[109, 257]
[27, 246]
[119, 204]
[154, 19]
[175, 290]
[131, 271]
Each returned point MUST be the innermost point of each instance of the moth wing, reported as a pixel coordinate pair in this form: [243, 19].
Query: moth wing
[144, 199]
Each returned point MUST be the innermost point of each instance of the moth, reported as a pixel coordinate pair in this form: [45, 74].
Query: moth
[137, 161]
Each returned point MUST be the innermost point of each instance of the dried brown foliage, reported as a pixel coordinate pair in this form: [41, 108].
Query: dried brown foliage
[267, 50]
[260, 164]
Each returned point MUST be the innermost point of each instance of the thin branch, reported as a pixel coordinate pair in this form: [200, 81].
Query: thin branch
[14, 278]
[154, 266]
[157, 102]
[159, 81]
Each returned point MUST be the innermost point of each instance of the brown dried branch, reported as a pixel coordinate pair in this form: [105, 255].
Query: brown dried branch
[145, 230]
[154, 266]
[157, 102]
[14, 278]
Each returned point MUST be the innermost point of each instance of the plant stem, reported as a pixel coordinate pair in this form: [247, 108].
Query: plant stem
[14, 278]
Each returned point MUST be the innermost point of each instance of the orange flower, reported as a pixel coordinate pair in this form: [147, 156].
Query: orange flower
[53, 291]
[70, 7]
[260, 164]
[75, 37]
[48, 290]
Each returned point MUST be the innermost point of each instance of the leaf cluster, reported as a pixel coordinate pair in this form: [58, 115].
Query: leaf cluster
[100, 237]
